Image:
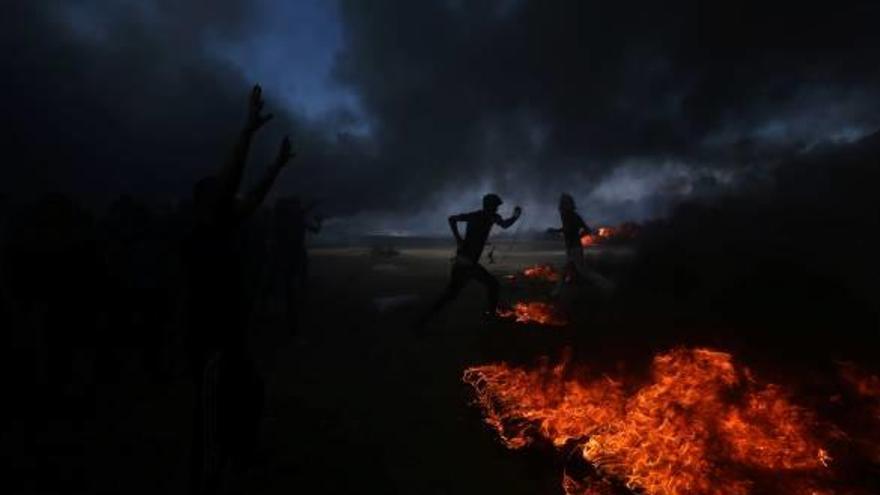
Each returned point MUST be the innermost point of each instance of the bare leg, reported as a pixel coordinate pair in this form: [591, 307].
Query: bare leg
[492, 287]
[459, 278]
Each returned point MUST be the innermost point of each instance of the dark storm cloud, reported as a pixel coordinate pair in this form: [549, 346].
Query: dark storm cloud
[535, 94]
[103, 98]
[755, 259]
[627, 105]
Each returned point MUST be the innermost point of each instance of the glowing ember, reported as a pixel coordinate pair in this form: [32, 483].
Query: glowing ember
[533, 312]
[588, 240]
[867, 388]
[541, 272]
[625, 231]
[602, 234]
[701, 424]
[865, 385]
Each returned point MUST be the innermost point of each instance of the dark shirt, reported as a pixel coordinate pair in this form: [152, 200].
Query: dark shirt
[290, 231]
[572, 224]
[479, 223]
[213, 258]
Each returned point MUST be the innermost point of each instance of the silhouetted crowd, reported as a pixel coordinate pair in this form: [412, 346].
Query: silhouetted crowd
[152, 293]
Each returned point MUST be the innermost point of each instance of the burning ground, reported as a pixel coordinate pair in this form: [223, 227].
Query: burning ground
[700, 423]
[782, 285]
[714, 288]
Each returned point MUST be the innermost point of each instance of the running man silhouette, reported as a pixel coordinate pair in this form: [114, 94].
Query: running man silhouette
[467, 258]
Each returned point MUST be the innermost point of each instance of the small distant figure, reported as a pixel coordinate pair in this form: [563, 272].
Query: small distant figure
[466, 265]
[290, 229]
[573, 227]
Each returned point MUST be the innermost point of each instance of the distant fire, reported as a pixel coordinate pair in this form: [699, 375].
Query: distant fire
[701, 425]
[626, 231]
[533, 312]
[588, 240]
[541, 272]
[866, 385]
[867, 389]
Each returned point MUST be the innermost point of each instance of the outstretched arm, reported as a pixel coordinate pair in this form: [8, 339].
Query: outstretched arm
[453, 225]
[230, 175]
[583, 227]
[255, 198]
[510, 221]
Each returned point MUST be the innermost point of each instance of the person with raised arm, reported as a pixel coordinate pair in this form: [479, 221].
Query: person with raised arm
[229, 392]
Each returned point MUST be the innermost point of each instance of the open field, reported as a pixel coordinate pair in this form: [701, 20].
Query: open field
[360, 402]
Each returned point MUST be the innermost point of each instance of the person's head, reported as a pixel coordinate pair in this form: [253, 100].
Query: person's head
[566, 202]
[491, 202]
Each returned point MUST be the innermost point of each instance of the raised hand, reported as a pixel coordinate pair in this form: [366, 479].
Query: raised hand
[285, 152]
[517, 211]
[256, 119]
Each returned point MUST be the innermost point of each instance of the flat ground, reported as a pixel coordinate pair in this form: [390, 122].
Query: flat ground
[359, 401]
[362, 402]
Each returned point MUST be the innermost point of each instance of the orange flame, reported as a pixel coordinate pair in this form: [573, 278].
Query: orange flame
[606, 232]
[534, 312]
[548, 403]
[697, 427]
[588, 240]
[541, 272]
[602, 234]
[627, 230]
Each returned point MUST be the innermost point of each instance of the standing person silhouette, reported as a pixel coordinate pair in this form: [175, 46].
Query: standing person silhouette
[467, 258]
[228, 390]
[573, 227]
[291, 225]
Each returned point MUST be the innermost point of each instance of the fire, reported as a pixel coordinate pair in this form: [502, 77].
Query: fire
[587, 240]
[534, 312]
[677, 429]
[625, 231]
[700, 425]
[548, 403]
[541, 272]
[602, 234]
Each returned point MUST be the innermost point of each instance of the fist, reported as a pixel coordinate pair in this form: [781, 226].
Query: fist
[256, 119]
[517, 211]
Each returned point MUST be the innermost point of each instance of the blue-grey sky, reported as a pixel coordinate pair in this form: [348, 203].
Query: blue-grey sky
[292, 50]
[404, 110]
